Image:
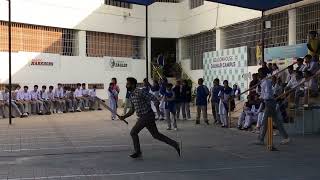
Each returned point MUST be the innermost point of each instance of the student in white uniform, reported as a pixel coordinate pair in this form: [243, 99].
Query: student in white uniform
[14, 106]
[79, 98]
[51, 100]
[225, 96]
[36, 103]
[71, 101]
[24, 97]
[93, 99]
[85, 96]
[45, 99]
[60, 102]
[2, 113]
[113, 102]
[270, 110]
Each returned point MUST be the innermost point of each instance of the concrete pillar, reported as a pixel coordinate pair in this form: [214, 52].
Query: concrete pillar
[219, 39]
[292, 35]
[82, 43]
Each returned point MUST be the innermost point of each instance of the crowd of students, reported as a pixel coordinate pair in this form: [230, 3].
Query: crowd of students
[294, 82]
[59, 100]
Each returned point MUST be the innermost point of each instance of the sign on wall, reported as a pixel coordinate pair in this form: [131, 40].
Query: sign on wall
[41, 61]
[227, 64]
[285, 55]
[113, 64]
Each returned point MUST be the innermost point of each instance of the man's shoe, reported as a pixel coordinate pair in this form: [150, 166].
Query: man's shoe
[285, 141]
[197, 122]
[178, 149]
[99, 109]
[259, 143]
[207, 122]
[136, 155]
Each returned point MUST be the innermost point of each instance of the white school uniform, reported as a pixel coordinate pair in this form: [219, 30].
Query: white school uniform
[113, 102]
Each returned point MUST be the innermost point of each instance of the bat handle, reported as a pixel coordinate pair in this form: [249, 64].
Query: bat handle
[123, 120]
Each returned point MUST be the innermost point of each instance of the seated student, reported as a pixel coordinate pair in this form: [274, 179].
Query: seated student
[36, 103]
[299, 89]
[66, 94]
[300, 64]
[94, 100]
[71, 102]
[170, 107]
[85, 96]
[45, 99]
[59, 97]
[25, 99]
[312, 66]
[277, 86]
[291, 77]
[15, 95]
[2, 113]
[246, 108]
[251, 113]
[14, 106]
[79, 98]
[52, 100]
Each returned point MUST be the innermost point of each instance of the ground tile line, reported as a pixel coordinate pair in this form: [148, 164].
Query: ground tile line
[138, 173]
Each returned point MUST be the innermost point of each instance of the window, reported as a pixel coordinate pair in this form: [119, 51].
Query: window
[194, 46]
[33, 38]
[249, 33]
[168, 1]
[195, 3]
[99, 86]
[278, 34]
[308, 19]
[118, 4]
[101, 44]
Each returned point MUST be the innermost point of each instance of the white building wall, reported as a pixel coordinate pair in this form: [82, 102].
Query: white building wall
[166, 20]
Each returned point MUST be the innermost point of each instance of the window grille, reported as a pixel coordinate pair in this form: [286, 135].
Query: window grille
[195, 3]
[34, 38]
[308, 19]
[118, 4]
[101, 44]
[194, 46]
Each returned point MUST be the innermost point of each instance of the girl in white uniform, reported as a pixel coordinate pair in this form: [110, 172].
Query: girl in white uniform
[113, 100]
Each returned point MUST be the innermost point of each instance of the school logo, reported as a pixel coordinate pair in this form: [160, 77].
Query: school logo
[117, 64]
[112, 63]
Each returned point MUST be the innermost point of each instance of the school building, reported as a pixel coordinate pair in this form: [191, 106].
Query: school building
[92, 41]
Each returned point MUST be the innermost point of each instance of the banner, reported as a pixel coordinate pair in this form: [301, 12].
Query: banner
[285, 55]
[41, 61]
[112, 64]
[227, 64]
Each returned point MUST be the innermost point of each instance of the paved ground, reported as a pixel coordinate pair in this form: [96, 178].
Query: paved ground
[89, 146]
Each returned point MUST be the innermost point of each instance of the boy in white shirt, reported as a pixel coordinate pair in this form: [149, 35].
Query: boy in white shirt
[85, 96]
[15, 108]
[51, 100]
[93, 99]
[60, 102]
[79, 98]
[45, 99]
[24, 98]
[36, 103]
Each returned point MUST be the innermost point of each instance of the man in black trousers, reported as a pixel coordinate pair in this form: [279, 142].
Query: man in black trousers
[141, 104]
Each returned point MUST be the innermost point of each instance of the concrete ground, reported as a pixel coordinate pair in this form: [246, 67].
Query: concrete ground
[89, 145]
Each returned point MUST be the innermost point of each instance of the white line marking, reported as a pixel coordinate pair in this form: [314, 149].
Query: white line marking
[138, 173]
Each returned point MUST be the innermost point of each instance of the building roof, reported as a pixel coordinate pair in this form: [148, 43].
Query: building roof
[261, 5]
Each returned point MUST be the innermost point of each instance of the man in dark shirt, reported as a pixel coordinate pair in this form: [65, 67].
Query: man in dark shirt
[214, 96]
[141, 104]
[187, 94]
[179, 100]
[201, 101]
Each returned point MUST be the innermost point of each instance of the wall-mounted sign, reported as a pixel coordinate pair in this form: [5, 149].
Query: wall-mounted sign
[113, 64]
[41, 61]
[227, 64]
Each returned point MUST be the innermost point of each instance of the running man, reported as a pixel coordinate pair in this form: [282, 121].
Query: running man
[141, 104]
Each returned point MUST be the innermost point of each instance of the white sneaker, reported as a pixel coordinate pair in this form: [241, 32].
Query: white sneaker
[176, 129]
[86, 108]
[78, 110]
[285, 141]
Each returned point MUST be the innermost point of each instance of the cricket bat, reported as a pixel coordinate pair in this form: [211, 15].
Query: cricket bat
[111, 110]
